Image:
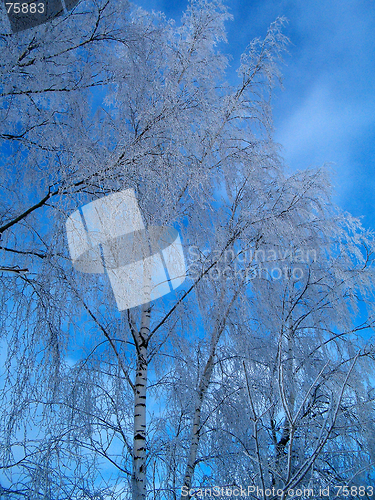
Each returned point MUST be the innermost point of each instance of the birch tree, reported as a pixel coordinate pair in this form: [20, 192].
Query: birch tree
[285, 411]
[96, 404]
[160, 80]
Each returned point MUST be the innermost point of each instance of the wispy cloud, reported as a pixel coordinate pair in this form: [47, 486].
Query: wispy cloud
[322, 127]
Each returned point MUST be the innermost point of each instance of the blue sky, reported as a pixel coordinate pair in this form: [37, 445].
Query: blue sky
[326, 112]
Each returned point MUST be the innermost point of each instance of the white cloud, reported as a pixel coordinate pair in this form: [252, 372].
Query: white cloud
[322, 127]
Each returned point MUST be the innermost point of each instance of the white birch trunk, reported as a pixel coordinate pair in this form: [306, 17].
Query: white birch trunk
[202, 389]
[288, 388]
[139, 440]
[195, 434]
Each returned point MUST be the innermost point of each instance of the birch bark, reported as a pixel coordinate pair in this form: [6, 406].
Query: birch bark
[196, 429]
[139, 441]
